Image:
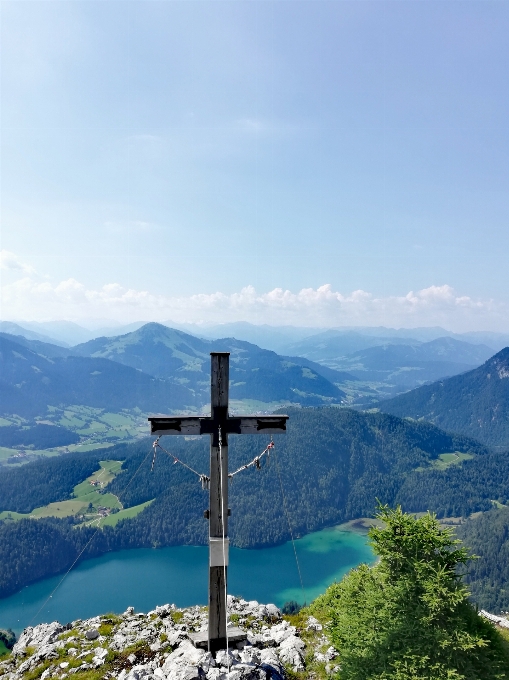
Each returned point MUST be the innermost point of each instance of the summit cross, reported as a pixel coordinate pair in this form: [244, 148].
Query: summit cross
[219, 425]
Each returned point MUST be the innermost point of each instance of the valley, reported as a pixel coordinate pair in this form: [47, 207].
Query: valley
[59, 399]
[333, 462]
[336, 460]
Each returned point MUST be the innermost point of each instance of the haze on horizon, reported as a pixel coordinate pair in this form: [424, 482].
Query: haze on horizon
[320, 163]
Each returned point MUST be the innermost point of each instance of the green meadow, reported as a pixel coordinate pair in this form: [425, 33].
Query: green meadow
[86, 496]
[445, 460]
[128, 513]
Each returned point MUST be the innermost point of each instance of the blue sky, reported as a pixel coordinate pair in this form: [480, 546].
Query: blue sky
[316, 163]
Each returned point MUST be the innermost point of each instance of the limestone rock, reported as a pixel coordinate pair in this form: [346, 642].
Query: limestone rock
[313, 624]
[290, 652]
[163, 649]
[43, 634]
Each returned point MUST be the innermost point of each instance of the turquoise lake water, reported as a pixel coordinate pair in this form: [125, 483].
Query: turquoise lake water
[144, 578]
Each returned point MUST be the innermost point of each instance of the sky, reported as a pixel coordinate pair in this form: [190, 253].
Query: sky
[317, 163]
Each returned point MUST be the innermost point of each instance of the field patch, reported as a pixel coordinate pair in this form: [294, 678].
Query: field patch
[445, 460]
[129, 513]
[61, 509]
[88, 499]
[10, 515]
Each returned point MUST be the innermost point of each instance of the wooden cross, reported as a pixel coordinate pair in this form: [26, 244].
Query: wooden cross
[219, 425]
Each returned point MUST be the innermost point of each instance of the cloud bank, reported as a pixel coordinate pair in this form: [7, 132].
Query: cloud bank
[31, 298]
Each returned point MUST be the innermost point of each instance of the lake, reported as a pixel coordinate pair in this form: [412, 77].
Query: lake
[144, 578]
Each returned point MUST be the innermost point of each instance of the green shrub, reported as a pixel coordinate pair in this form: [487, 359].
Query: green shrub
[408, 617]
[177, 617]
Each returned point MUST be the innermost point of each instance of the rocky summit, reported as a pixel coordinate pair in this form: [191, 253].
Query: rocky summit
[158, 646]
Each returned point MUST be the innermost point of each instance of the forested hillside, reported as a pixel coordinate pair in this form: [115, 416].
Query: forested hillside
[42, 435]
[334, 463]
[487, 536]
[474, 403]
[45, 481]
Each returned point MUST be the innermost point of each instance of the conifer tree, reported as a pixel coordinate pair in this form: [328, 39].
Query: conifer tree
[409, 617]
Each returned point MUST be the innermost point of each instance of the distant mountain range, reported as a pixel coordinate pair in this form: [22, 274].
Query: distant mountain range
[15, 329]
[280, 339]
[331, 346]
[155, 369]
[392, 364]
[31, 382]
[162, 370]
[403, 367]
[475, 403]
[255, 373]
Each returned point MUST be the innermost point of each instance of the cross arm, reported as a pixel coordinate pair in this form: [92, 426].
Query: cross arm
[257, 424]
[192, 425]
[160, 425]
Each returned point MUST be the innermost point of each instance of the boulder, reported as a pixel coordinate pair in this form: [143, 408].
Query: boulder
[273, 611]
[186, 655]
[43, 634]
[313, 624]
[164, 610]
[290, 652]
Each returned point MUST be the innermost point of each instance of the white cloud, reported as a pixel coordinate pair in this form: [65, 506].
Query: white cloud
[435, 305]
[10, 261]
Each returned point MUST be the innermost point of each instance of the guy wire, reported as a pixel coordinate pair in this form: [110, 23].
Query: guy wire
[289, 526]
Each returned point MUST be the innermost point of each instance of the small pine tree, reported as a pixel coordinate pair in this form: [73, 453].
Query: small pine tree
[291, 607]
[408, 617]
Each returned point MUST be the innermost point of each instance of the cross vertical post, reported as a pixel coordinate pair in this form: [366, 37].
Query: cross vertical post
[219, 425]
[218, 508]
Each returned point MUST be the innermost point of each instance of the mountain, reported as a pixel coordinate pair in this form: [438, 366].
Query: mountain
[154, 369]
[31, 382]
[15, 329]
[496, 341]
[336, 377]
[275, 338]
[46, 349]
[331, 346]
[66, 332]
[113, 330]
[390, 365]
[287, 339]
[128, 642]
[255, 373]
[475, 403]
[403, 367]
[443, 349]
